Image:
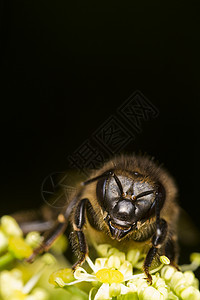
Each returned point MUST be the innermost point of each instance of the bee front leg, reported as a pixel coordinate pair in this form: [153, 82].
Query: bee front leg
[78, 223]
[49, 239]
[157, 241]
[51, 235]
[171, 250]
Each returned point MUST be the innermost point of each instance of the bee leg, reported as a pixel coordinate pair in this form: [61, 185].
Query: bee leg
[147, 263]
[58, 229]
[157, 241]
[171, 251]
[51, 236]
[79, 222]
[36, 225]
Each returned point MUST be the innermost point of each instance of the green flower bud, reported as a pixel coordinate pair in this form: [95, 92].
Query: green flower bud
[150, 293]
[60, 245]
[190, 293]
[103, 249]
[114, 262]
[48, 259]
[196, 283]
[10, 227]
[163, 292]
[113, 251]
[158, 281]
[126, 268]
[122, 257]
[101, 262]
[133, 256]
[178, 282]
[181, 286]
[195, 257]
[3, 242]
[160, 285]
[189, 277]
[167, 272]
[139, 265]
[141, 285]
[33, 239]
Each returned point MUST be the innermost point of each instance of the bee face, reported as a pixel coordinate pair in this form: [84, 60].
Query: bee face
[125, 199]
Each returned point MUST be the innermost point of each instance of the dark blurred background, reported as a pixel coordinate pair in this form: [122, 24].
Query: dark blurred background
[66, 68]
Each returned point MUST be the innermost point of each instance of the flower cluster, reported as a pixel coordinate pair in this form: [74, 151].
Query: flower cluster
[18, 279]
[12, 287]
[12, 244]
[112, 277]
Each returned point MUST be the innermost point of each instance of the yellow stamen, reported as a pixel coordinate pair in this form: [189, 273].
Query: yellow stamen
[19, 247]
[164, 260]
[18, 295]
[109, 276]
[65, 275]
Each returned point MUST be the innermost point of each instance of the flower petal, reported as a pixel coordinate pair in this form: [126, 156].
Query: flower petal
[124, 289]
[90, 263]
[126, 269]
[100, 263]
[81, 274]
[103, 292]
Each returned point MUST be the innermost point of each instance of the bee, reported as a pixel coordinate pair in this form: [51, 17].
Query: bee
[130, 202]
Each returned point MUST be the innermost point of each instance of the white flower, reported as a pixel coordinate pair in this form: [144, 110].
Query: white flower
[110, 273]
[12, 286]
[113, 277]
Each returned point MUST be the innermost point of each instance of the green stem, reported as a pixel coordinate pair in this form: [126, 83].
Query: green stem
[191, 267]
[6, 259]
[76, 291]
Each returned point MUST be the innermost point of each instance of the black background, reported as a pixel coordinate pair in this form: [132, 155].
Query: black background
[67, 68]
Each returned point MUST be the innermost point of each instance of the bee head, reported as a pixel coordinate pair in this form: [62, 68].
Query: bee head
[125, 200]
